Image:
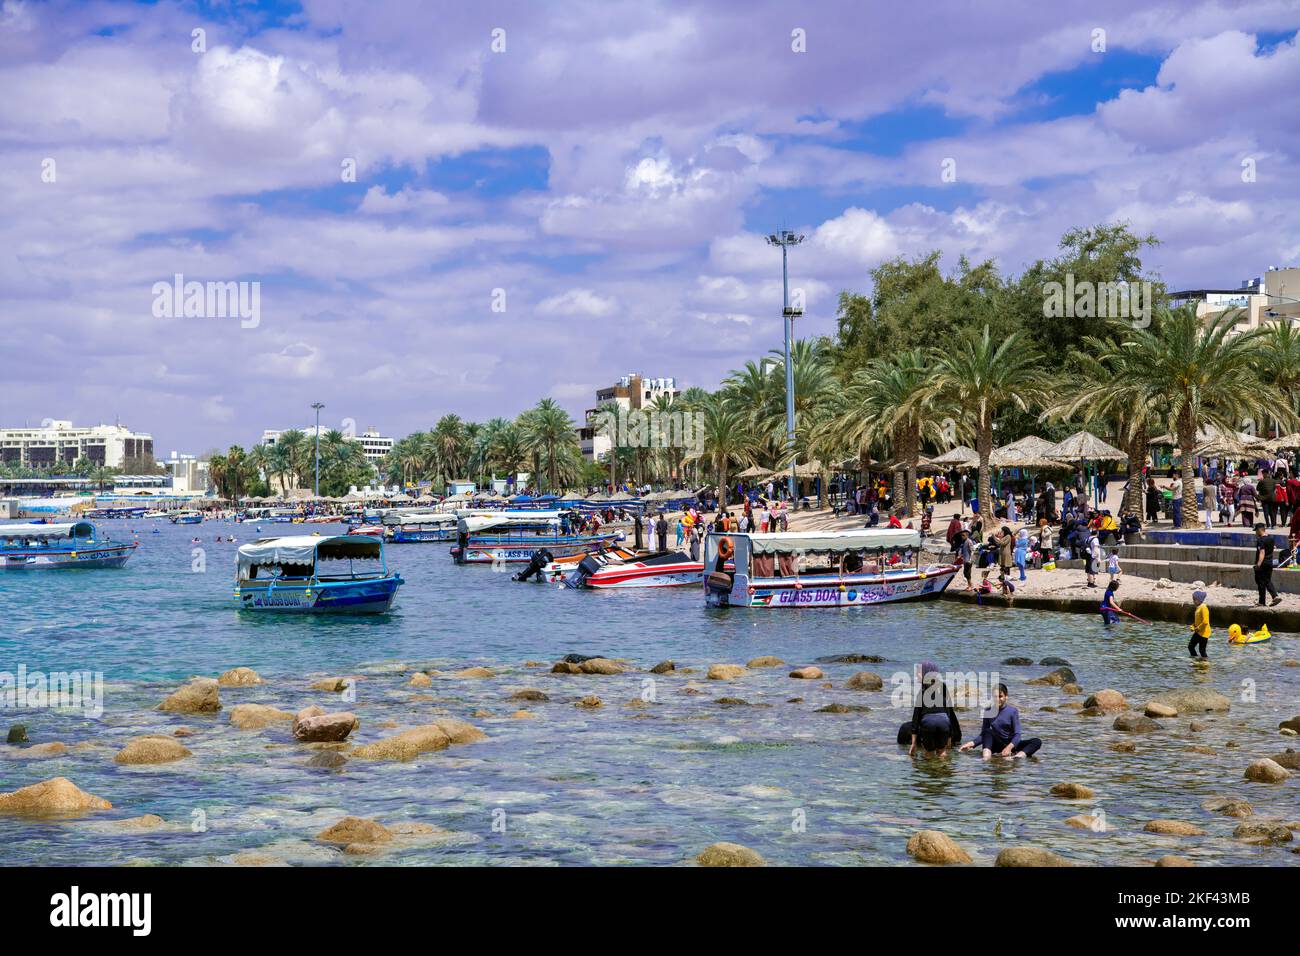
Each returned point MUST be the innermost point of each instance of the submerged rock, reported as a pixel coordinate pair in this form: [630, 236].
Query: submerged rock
[1087, 821]
[197, 697]
[1174, 861]
[851, 659]
[333, 684]
[17, 734]
[56, 795]
[838, 708]
[474, 672]
[1135, 724]
[355, 830]
[1229, 806]
[932, 846]
[1053, 662]
[1290, 759]
[53, 748]
[1292, 724]
[257, 716]
[239, 677]
[1029, 856]
[663, 667]
[590, 702]
[731, 702]
[411, 743]
[1073, 791]
[1017, 662]
[729, 854]
[420, 679]
[327, 760]
[565, 667]
[529, 693]
[1175, 827]
[152, 749]
[768, 661]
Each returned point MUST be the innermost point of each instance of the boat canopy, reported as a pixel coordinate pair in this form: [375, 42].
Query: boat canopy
[423, 517]
[866, 539]
[73, 529]
[508, 519]
[304, 549]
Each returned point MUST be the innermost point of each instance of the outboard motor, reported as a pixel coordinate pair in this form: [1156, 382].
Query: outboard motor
[541, 558]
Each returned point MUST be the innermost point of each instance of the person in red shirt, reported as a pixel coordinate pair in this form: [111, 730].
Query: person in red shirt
[893, 520]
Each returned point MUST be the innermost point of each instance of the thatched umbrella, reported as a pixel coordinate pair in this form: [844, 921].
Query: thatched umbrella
[754, 471]
[959, 457]
[1084, 447]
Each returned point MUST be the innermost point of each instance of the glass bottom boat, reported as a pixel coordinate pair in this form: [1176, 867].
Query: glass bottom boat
[59, 546]
[307, 574]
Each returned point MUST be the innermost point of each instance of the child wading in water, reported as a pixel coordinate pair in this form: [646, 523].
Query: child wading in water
[1109, 605]
[1200, 626]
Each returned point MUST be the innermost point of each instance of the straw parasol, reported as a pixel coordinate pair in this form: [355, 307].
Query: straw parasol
[959, 457]
[755, 471]
[1029, 452]
[1084, 446]
[1214, 442]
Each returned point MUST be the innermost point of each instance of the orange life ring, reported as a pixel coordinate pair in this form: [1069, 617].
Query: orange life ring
[725, 548]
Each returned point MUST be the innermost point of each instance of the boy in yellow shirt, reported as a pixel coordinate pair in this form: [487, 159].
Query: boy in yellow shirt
[1200, 625]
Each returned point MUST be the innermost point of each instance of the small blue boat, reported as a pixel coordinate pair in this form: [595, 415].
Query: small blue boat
[313, 574]
[187, 517]
[56, 546]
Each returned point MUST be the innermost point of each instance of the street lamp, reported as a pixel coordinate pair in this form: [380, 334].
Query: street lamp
[316, 485]
[785, 239]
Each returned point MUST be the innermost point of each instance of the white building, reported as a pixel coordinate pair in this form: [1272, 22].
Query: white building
[630, 392]
[375, 445]
[189, 475]
[56, 442]
[1272, 297]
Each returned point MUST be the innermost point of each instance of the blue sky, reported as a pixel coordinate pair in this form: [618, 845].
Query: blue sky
[609, 175]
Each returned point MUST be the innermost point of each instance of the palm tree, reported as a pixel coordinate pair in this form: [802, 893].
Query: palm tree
[449, 445]
[727, 441]
[298, 457]
[1279, 361]
[549, 435]
[888, 403]
[978, 378]
[1207, 374]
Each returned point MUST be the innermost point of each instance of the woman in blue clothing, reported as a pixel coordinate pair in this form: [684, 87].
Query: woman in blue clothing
[934, 721]
[1000, 734]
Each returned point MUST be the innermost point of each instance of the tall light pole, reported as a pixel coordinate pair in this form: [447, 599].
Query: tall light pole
[316, 485]
[785, 239]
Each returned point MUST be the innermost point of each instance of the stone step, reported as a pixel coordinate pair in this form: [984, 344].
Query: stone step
[1179, 552]
[1242, 577]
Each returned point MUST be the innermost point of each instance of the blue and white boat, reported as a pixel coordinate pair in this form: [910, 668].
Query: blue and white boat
[515, 536]
[405, 528]
[187, 517]
[309, 573]
[54, 546]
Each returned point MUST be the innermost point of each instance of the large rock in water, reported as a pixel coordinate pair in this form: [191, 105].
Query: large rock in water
[932, 846]
[57, 795]
[1176, 827]
[1174, 861]
[1290, 759]
[324, 728]
[1073, 791]
[601, 665]
[355, 830]
[729, 854]
[239, 677]
[1263, 832]
[1292, 724]
[17, 735]
[409, 744]
[1135, 724]
[865, 680]
[725, 672]
[1029, 856]
[1193, 700]
[1057, 678]
[151, 749]
[1107, 701]
[1228, 805]
[767, 661]
[1265, 770]
[197, 697]
[257, 716]
[807, 673]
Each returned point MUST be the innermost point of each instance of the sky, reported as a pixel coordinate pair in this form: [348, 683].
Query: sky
[464, 207]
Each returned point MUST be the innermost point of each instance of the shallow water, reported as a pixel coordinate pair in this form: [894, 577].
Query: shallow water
[620, 784]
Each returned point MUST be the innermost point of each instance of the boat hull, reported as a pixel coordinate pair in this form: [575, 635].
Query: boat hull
[371, 596]
[111, 556]
[422, 537]
[849, 591]
[635, 574]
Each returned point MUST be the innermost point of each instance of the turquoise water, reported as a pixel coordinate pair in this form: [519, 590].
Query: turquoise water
[620, 784]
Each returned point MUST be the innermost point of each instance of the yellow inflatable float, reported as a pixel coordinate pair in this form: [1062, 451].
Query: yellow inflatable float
[1237, 636]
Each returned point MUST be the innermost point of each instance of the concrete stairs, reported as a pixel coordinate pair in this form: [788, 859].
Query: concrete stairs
[1229, 565]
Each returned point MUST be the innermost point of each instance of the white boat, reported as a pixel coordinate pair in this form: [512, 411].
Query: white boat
[617, 568]
[313, 574]
[820, 569]
[420, 526]
[518, 536]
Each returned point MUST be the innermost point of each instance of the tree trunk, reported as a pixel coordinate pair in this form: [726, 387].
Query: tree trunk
[984, 484]
[912, 444]
[900, 493]
[1187, 442]
[1137, 456]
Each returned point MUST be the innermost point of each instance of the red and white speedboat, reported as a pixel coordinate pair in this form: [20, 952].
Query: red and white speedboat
[374, 530]
[615, 569]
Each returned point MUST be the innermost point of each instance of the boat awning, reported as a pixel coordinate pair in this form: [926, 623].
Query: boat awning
[787, 542]
[72, 529]
[431, 517]
[507, 519]
[303, 549]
